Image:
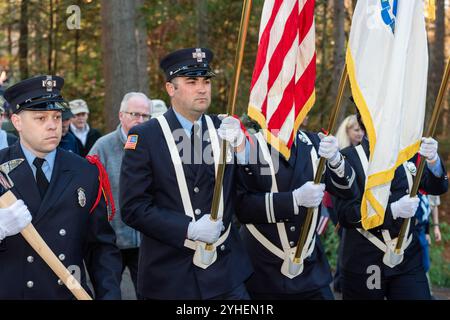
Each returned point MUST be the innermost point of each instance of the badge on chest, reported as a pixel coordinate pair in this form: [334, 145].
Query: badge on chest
[411, 168]
[81, 197]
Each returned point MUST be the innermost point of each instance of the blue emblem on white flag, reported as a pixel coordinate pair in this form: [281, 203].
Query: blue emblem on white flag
[389, 13]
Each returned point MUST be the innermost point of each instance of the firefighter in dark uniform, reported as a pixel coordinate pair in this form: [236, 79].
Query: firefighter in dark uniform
[58, 193]
[368, 272]
[166, 190]
[274, 215]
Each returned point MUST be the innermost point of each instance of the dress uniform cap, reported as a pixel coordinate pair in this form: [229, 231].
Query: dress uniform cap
[190, 62]
[41, 93]
[67, 114]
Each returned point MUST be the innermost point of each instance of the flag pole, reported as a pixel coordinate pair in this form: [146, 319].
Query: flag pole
[320, 168]
[231, 104]
[429, 133]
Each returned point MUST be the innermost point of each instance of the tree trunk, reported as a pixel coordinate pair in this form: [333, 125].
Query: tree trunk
[339, 47]
[23, 40]
[437, 55]
[50, 38]
[202, 23]
[322, 53]
[9, 29]
[142, 48]
[324, 41]
[438, 60]
[75, 55]
[37, 61]
[75, 49]
[55, 41]
[120, 55]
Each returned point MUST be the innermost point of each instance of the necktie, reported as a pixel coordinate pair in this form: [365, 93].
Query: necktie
[41, 180]
[196, 143]
[196, 147]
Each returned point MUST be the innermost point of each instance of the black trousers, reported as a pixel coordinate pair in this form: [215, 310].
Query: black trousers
[238, 293]
[408, 286]
[130, 258]
[323, 293]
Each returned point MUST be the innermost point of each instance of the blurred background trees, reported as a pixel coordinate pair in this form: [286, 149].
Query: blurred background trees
[119, 43]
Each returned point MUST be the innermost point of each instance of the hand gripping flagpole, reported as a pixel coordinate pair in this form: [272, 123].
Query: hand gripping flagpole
[320, 168]
[231, 106]
[429, 133]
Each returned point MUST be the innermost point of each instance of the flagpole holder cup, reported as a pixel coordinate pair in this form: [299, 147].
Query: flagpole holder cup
[205, 255]
[292, 267]
[392, 258]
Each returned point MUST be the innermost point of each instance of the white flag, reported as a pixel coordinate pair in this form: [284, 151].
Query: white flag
[387, 60]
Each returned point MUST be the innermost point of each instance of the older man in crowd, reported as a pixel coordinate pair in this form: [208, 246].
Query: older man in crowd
[6, 138]
[134, 109]
[85, 135]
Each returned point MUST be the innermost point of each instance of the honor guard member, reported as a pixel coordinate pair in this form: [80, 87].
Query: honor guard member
[166, 191]
[6, 138]
[135, 108]
[60, 193]
[68, 140]
[274, 216]
[370, 267]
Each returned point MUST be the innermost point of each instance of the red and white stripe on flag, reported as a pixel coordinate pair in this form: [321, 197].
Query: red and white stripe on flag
[282, 89]
[323, 223]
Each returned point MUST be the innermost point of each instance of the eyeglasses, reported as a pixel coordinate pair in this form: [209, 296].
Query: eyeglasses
[137, 115]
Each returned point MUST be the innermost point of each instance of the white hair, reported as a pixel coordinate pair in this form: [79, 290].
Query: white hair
[159, 107]
[129, 95]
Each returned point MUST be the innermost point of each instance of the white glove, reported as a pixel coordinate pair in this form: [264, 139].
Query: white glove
[329, 149]
[309, 195]
[13, 219]
[230, 130]
[405, 207]
[205, 229]
[428, 149]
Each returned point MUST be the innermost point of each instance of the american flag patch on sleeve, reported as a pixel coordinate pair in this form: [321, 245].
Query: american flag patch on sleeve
[131, 142]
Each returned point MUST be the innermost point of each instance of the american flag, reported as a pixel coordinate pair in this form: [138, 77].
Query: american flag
[131, 142]
[326, 206]
[282, 89]
[323, 221]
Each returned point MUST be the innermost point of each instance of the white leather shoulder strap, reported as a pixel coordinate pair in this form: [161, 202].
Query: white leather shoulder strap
[179, 171]
[311, 239]
[363, 158]
[216, 154]
[281, 228]
[385, 233]
[178, 165]
[181, 178]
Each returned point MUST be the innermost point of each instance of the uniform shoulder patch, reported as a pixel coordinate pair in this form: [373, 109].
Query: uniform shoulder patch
[131, 142]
